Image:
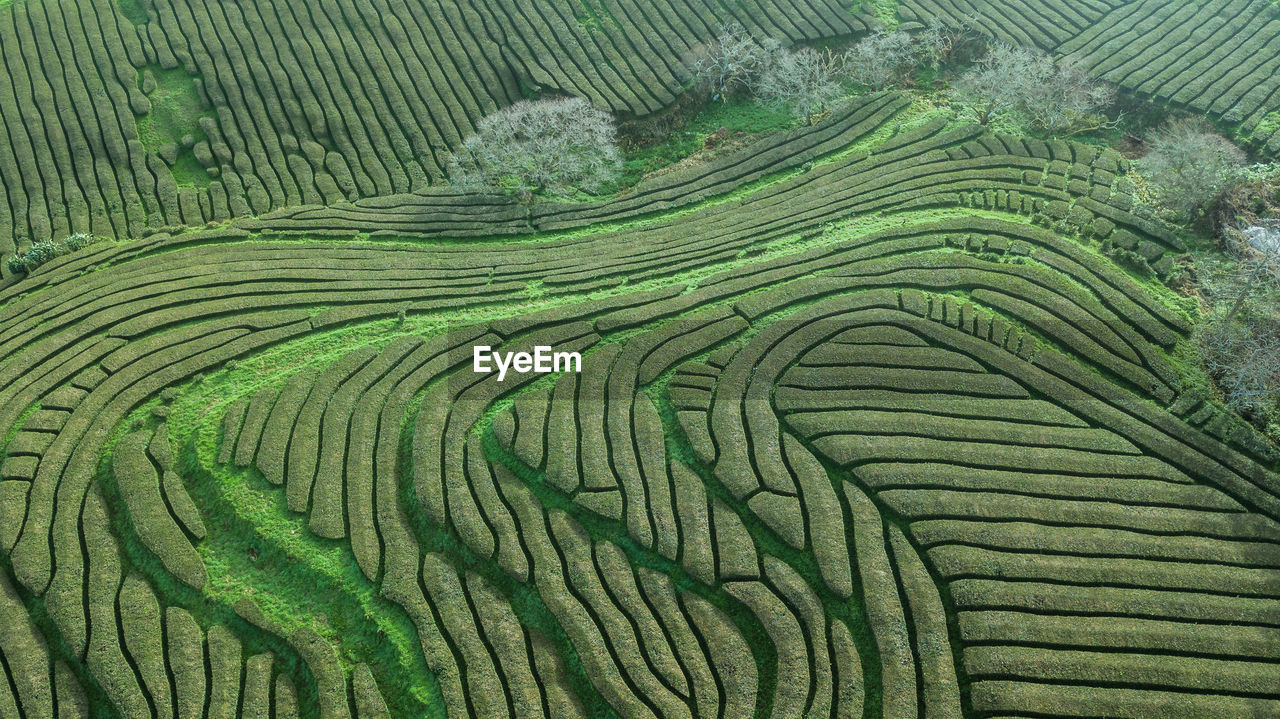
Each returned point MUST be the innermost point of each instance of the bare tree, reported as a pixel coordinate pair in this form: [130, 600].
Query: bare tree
[883, 58]
[727, 64]
[1060, 99]
[1259, 263]
[1068, 101]
[1188, 165]
[555, 145]
[960, 40]
[807, 80]
[1244, 360]
[1243, 356]
[996, 81]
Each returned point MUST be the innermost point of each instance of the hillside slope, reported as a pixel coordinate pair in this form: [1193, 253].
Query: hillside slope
[867, 425]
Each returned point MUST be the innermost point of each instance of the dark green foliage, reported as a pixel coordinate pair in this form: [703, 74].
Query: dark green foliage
[40, 253]
[867, 424]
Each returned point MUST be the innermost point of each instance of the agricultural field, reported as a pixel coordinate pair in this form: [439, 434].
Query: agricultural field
[880, 413]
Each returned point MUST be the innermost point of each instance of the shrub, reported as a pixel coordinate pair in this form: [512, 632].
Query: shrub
[41, 252]
[78, 241]
[555, 145]
[1244, 360]
[37, 254]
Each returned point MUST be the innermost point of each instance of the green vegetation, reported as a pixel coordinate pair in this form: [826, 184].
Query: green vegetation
[887, 407]
[171, 128]
[712, 129]
[41, 252]
[135, 11]
[1267, 127]
[886, 11]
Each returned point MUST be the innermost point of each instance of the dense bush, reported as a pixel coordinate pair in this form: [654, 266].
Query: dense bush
[41, 252]
[78, 241]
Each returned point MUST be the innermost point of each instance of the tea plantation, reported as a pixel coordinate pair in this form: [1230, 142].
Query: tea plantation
[869, 424]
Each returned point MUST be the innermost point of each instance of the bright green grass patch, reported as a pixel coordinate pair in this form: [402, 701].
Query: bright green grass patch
[187, 172]
[1187, 361]
[593, 16]
[886, 11]
[176, 109]
[741, 115]
[256, 548]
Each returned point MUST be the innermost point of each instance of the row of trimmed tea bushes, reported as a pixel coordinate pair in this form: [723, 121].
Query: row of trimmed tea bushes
[760, 517]
[947, 432]
[450, 214]
[1039, 23]
[1069, 187]
[489, 511]
[146, 657]
[72, 160]
[420, 280]
[1220, 57]
[312, 105]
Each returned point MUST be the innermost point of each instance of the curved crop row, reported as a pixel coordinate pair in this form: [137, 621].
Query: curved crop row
[1066, 186]
[204, 111]
[1041, 23]
[1214, 56]
[887, 465]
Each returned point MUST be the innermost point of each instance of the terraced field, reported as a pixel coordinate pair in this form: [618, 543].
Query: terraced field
[1220, 57]
[868, 422]
[123, 119]
[126, 119]
[865, 427]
